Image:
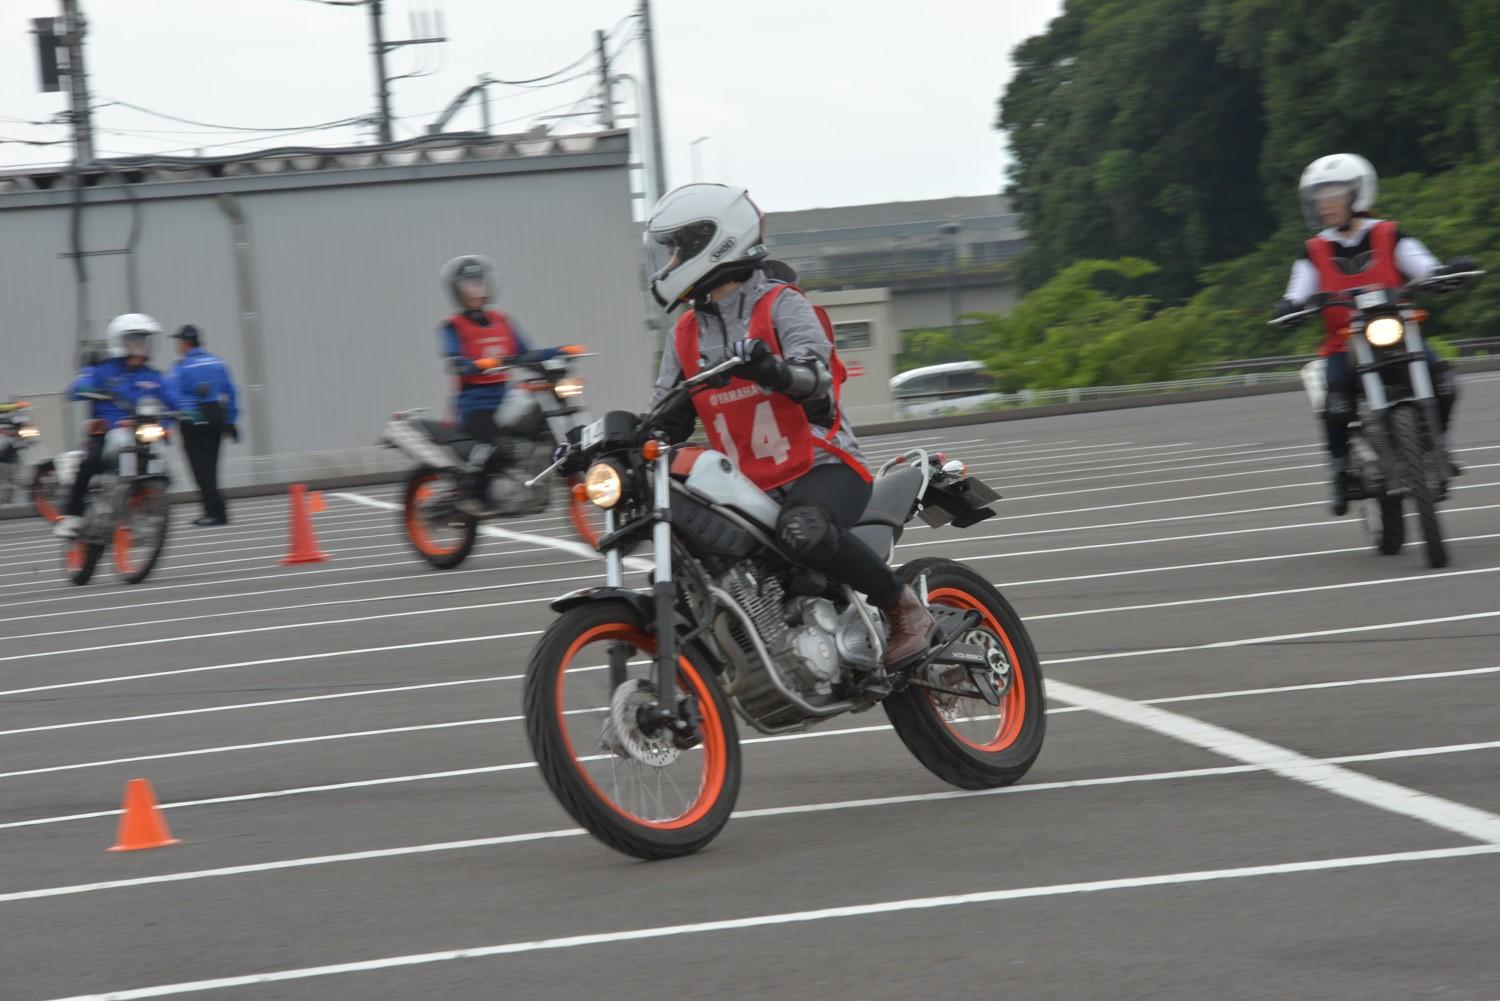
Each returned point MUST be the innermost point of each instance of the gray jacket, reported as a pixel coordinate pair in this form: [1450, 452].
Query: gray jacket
[797, 328]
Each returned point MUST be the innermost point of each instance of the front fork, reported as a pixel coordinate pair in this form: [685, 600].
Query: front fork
[1420, 375]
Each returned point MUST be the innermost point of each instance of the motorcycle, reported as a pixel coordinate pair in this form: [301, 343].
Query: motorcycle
[1396, 447]
[460, 481]
[126, 507]
[631, 697]
[26, 468]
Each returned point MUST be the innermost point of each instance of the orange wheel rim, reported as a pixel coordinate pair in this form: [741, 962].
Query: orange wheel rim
[713, 749]
[121, 543]
[44, 506]
[579, 512]
[416, 526]
[75, 556]
[1012, 710]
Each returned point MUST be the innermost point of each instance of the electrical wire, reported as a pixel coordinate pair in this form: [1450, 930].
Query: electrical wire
[226, 128]
[538, 79]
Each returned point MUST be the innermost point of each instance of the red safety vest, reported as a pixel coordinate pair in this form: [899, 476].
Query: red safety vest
[1382, 272]
[495, 341]
[766, 433]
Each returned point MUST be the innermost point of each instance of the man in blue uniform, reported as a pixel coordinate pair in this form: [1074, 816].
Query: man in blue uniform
[201, 387]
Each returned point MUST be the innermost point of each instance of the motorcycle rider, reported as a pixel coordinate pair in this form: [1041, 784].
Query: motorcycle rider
[778, 416]
[1355, 249]
[476, 338]
[124, 374]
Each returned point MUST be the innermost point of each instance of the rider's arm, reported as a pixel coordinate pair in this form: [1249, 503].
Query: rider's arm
[1413, 259]
[448, 344]
[524, 354]
[669, 374]
[87, 381]
[231, 397]
[1303, 283]
[804, 346]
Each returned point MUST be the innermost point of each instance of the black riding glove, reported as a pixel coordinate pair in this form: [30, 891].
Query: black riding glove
[232, 432]
[759, 363]
[1282, 308]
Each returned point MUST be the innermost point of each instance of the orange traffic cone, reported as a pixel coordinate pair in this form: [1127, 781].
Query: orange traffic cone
[304, 546]
[141, 825]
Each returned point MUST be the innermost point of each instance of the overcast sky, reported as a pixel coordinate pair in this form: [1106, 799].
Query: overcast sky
[806, 104]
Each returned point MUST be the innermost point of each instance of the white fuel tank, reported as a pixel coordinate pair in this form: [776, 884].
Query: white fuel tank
[715, 479]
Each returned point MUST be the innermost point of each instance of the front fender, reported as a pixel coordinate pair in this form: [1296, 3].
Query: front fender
[640, 602]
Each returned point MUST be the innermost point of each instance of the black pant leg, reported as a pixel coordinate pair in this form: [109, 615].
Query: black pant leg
[93, 461]
[843, 494]
[201, 442]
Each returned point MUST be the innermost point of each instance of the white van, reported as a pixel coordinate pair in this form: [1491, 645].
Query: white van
[954, 387]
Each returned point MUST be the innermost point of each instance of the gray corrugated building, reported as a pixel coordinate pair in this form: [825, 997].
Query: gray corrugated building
[315, 273]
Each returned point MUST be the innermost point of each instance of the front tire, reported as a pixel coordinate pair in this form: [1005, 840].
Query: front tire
[141, 532]
[1422, 479]
[444, 541]
[44, 492]
[963, 740]
[82, 559]
[634, 791]
[1385, 524]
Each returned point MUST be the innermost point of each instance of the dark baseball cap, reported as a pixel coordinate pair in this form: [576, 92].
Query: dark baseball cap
[189, 333]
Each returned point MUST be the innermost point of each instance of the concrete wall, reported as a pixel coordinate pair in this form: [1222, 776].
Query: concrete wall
[923, 308]
[868, 386]
[345, 279]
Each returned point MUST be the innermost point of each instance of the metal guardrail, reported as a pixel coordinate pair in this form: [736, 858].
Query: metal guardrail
[1466, 348]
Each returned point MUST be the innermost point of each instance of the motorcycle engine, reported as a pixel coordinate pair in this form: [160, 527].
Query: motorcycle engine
[508, 494]
[811, 649]
[799, 633]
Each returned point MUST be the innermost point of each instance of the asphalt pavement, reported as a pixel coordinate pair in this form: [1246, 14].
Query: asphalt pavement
[1269, 770]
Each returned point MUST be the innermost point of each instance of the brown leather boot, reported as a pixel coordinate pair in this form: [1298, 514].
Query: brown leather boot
[912, 626]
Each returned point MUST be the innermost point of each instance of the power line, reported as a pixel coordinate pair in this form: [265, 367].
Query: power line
[230, 128]
[538, 79]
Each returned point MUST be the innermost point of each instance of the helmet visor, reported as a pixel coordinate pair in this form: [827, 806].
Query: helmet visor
[1329, 203]
[137, 344]
[472, 289]
[668, 250]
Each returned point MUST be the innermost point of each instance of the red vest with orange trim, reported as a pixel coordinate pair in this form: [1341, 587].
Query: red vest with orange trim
[1381, 272]
[496, 341]
[765, 433]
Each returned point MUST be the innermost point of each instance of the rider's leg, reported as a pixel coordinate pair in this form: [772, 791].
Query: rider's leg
[1338, 411]
[72, 520]
[818, 511]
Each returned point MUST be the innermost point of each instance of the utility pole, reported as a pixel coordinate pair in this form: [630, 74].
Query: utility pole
[78, 83]
[658, 161]
[379, 46]
[607, 96]
[382, 82]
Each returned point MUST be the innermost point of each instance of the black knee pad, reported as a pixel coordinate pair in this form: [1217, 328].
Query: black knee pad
[807, 534]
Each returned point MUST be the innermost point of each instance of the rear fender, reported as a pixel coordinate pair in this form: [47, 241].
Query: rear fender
[402, 435]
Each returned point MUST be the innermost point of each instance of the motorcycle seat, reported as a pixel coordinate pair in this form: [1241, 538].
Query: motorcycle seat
[891, 499]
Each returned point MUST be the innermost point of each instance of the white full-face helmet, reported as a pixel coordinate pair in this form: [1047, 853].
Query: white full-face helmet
[472, 274]
[1340, 173]
[698, 237]
[130, 335]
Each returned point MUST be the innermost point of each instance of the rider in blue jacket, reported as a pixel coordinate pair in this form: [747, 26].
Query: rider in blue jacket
[126, 375]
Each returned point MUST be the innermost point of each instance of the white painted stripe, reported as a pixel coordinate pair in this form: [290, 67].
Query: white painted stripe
[794, 917]
[563, 545]
[264, 661]
[1276, 638]
[1255, 595]
[949, 539]
[1446, 814]
[866, 730]
[1174, 568]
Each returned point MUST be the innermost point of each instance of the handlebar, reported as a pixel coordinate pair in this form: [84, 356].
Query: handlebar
[1324, 300]
[685, 388]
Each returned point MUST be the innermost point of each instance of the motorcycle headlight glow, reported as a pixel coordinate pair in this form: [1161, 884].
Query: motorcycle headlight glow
[603, 484]
[570, 387]
[1385, 331]
[149, 432]
[29, 432]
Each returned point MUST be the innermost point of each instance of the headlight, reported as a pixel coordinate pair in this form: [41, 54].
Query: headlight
[1384, 331]
[29, 432]
[603, 484]
[149, 432]
[569, 387]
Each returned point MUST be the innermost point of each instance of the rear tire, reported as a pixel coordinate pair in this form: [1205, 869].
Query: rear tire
[570, 721]
[440, 553]
[930, 730]
[1421, 478]
[82, 559]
